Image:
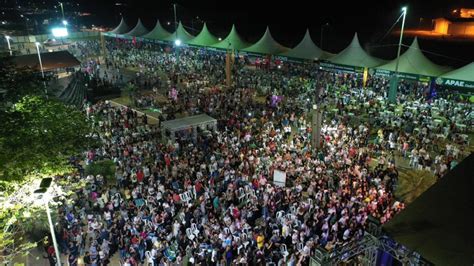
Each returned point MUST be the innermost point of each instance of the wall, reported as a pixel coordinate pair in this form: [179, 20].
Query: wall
[441, 25]
[465, 28]
[44, 37]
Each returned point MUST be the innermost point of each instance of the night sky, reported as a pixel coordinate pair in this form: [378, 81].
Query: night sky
[288, 21]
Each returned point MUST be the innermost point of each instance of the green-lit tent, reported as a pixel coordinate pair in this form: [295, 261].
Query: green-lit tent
[122, 28]
[157, 33]
[232, 41]
[414, 62]
[464, 73]
[266, 45]
[204, 38]
[354, 55]
[138, 31]
[461, 79]
[306, 49]
[183, 35]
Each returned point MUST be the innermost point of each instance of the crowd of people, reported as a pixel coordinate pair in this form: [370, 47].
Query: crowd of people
[212, 200]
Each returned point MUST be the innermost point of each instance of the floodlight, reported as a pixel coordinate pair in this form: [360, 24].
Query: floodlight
[59, 32]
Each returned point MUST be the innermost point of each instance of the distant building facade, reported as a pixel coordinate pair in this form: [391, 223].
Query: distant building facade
[460, 23]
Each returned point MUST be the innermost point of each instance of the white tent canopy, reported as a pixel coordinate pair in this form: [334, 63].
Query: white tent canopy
[157, 33]
[355, 55]
[266, 45]
[414, 62]
[181, 34]
[138, 30]
[121, 28]
[232, 41]
[464, 73]
[306, 49]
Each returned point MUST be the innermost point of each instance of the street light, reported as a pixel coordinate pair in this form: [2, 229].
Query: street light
[404, 10]
[175, 21]
[65, 22]
[44, 195]
[8, 42]
[316, 123]
[41, 66]
[62, 9]
[392, 93]
[177, 41]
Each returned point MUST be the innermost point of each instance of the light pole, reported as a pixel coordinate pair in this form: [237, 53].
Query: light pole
[392, 93]
[227, 65]
[41, 66]
[43, 190]
[322, 28]
[62, 9]
[316, 123]
[65, 26]
[175, 22]
[8, 42]
[177, 42]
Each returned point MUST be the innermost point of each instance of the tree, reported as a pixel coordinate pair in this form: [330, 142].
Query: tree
[18, 82]
[12, 243]
[23, 219]
[105, 168]
[37, 136]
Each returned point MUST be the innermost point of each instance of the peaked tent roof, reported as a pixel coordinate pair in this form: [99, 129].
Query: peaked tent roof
[464, 73]
[306, 49]
[138, 30]
[158, 32]
[232, 41]
[204, 38]
[266, 45]
[414, 62]
[183, 35]
[355, 55]
[438, 224]
[121, 28]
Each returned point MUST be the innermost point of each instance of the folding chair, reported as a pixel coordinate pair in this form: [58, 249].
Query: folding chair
[189, 234]
[195, 230]
[245, 239]
[241, 194]
[284, 251]
[300, 247]
[280, 215]
[149, 259]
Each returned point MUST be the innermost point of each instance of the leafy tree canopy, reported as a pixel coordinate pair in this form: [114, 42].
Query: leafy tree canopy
[16, 83]
[38, 135]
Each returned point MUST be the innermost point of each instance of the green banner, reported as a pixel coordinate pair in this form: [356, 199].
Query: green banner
[455, 83]
[343, 68]
[388, 74]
